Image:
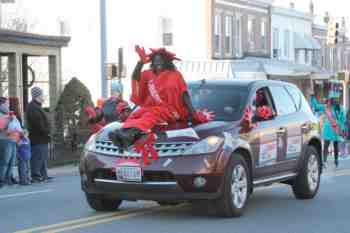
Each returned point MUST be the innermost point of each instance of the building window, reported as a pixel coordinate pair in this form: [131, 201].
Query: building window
[251, 33]
[217, 34]
[307, 57]
[167, 31]
[263, 35]
[228, 35]
[276, 43]
[286, 43]
[238, 36]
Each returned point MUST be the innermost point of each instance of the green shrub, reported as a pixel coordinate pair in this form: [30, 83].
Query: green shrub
[70, 118]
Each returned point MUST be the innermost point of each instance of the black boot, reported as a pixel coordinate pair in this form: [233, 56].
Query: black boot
[115, 137]
[130, 136]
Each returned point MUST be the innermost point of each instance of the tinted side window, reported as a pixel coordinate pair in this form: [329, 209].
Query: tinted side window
[283, 102]
[296, 95]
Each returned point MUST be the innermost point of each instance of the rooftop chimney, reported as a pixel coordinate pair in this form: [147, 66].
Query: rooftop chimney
[312, 8]
[292, 5]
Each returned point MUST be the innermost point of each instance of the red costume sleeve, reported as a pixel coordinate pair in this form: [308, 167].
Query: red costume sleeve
[139, 89]
[181, 83]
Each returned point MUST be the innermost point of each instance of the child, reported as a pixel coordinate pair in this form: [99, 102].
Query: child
[16, 133]
[24, 155]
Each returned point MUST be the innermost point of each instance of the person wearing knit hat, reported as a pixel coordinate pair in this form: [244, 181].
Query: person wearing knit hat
[38, 94]
[39, 135]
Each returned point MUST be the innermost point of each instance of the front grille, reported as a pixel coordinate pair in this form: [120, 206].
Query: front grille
[158, 176]
[163, 149]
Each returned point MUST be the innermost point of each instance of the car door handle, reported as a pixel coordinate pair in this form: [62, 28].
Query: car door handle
[281, 130]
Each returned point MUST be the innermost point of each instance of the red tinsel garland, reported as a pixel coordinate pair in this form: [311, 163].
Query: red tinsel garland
[146, 148]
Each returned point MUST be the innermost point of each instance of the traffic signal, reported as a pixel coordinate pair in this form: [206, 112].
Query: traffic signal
[333, 32]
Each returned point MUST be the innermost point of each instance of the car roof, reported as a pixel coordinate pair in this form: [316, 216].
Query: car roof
[239, 82]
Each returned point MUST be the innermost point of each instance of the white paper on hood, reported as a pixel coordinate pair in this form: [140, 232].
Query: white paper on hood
[188, 132]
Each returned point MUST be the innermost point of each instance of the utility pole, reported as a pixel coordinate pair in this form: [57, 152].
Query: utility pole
[103, 39]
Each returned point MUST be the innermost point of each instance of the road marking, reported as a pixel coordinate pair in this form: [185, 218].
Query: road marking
[111, 219]
[88, 219]
[25, 194]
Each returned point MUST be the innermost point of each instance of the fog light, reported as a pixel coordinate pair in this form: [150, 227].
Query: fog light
[199, 182]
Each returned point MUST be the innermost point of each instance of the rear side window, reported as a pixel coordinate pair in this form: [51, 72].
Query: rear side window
[283, 102]
[296, 95]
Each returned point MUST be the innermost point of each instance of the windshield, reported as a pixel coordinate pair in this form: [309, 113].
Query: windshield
[227, 102]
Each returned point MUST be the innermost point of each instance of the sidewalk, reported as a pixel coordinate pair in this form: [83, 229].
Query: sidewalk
[64, 170]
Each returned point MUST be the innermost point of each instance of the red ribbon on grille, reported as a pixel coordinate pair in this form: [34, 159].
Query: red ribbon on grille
[146, 148]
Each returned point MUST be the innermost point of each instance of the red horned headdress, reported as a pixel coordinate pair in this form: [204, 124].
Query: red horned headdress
[171, 56]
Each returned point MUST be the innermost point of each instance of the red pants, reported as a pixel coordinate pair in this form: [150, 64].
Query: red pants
[146, 119]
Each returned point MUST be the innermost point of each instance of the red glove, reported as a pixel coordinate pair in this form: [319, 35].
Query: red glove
[144, 58]
[203, 116]
[90, 111]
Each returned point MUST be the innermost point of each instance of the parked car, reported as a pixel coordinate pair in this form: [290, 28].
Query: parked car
[220, 162]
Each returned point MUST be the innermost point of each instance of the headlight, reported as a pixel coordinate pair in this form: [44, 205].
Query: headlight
[206, 146]
[90, 144]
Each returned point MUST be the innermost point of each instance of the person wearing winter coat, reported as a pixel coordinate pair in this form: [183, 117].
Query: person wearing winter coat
[39, 136]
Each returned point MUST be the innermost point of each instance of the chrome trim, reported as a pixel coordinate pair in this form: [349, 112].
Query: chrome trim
[136, 183]
[291, 175]
[163, 149]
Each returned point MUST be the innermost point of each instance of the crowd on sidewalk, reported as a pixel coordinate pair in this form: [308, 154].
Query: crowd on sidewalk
[26, 147]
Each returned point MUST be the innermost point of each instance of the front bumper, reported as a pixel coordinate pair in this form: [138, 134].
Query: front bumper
[172, 182]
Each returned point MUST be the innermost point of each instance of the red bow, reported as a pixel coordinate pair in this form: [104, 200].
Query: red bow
[264, 112]
[90, 111]
[146, 147]
[247, 120]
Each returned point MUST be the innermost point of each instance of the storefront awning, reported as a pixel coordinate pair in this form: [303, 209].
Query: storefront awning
[274, 67]
[303, 41]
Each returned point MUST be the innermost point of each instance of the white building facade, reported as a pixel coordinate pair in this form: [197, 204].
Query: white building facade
[292, 36]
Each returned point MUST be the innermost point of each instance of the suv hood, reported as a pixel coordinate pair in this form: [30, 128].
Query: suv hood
[188, 134]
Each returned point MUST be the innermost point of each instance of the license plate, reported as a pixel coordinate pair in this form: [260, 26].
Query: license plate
[129, 174]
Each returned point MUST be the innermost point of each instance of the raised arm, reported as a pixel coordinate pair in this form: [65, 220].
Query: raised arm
[136, 74]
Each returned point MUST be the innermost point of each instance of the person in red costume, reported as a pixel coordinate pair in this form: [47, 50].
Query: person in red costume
[97, 118]
[162, 95]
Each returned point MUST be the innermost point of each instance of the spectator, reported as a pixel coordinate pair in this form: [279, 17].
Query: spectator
[24, 155]
[7, 146]
[23, 146]
[39, 135]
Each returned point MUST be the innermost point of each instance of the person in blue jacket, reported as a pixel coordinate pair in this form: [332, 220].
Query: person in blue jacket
[333, 126]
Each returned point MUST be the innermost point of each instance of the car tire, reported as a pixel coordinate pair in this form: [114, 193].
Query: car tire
[236, 188]
[100, 203]
[307, 183]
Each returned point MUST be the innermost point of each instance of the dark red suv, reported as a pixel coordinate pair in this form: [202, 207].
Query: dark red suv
[221, 161]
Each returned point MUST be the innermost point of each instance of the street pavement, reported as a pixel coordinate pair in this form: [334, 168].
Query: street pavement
[59, 206]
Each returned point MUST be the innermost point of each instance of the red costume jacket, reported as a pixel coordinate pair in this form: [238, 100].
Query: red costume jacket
[160, 99]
